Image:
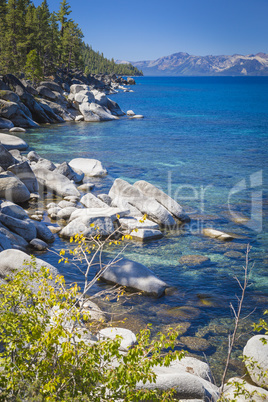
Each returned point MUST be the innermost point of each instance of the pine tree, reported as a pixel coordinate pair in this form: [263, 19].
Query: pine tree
[43, 34]
[3, 10]
[16, 35]
[33, 69]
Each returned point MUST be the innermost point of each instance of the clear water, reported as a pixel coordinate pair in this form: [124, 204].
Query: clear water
[199, 138]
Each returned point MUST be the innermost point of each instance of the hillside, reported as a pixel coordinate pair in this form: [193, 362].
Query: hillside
[36, 43]
[183, 64]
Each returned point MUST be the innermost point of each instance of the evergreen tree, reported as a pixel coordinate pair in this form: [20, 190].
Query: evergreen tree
[48, 40]
[33, 69]
[3, 10]
[54, 43]
[15, 47]
[43, 34]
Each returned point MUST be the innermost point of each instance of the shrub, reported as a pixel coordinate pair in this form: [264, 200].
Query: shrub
[47, 353]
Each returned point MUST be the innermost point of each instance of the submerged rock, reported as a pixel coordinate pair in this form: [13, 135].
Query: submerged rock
[217, 234]
[136, 276]
[195, 343]
[194, 260]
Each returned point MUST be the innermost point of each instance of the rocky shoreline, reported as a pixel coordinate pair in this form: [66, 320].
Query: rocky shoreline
[67, 97]
[25, 227]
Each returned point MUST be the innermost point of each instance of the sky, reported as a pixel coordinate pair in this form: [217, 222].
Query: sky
[148, 29]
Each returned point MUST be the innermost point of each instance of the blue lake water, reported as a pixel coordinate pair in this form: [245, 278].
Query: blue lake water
[205, 142]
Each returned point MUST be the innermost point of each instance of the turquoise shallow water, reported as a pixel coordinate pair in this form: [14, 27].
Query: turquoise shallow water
[200, 137]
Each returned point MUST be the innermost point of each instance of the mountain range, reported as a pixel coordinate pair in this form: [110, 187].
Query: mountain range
[184, 64]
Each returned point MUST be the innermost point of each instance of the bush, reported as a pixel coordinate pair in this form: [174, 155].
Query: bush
[47, 353]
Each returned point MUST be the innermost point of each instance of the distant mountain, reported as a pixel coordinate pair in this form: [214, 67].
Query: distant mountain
[183, 64]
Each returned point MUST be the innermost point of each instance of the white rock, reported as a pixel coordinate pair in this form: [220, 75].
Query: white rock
[14, 260]
[130, 113]
[146, 234]
[95, 312]
[102, 226]
[11, 188]
[53, 211]
[54, 229]
[171, 205]
[187, 365]
[120, 202]
[145, 205]
[185, 385]
[137, 116]
[89, 200]
[55, 182]
[107, 212]
[17, 129]
[90, 167]
[105, 198]
[87, 112]
[217, 234]
[232, 393]
[13, 142]
[33, 156]
[101, 111]
[66, 170]
[65, 204]
[80, 117]
[134, 275]
[130, 223]
[84, 96]
[24, 172]
[52, 205]
[76, 88]
[86, 187]
[101, 99]
[65, 213]
[128, 337]
[256, 352]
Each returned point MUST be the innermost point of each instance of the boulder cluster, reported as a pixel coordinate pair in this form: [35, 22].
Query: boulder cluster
[66, 97]
[27, 179]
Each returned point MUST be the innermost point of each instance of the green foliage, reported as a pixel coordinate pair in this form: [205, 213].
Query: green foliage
[55, 37]
[262, 325]
[96, 63]
[33, 69]
[46, 356]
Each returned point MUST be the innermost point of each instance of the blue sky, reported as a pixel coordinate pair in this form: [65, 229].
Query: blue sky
[148, 29]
